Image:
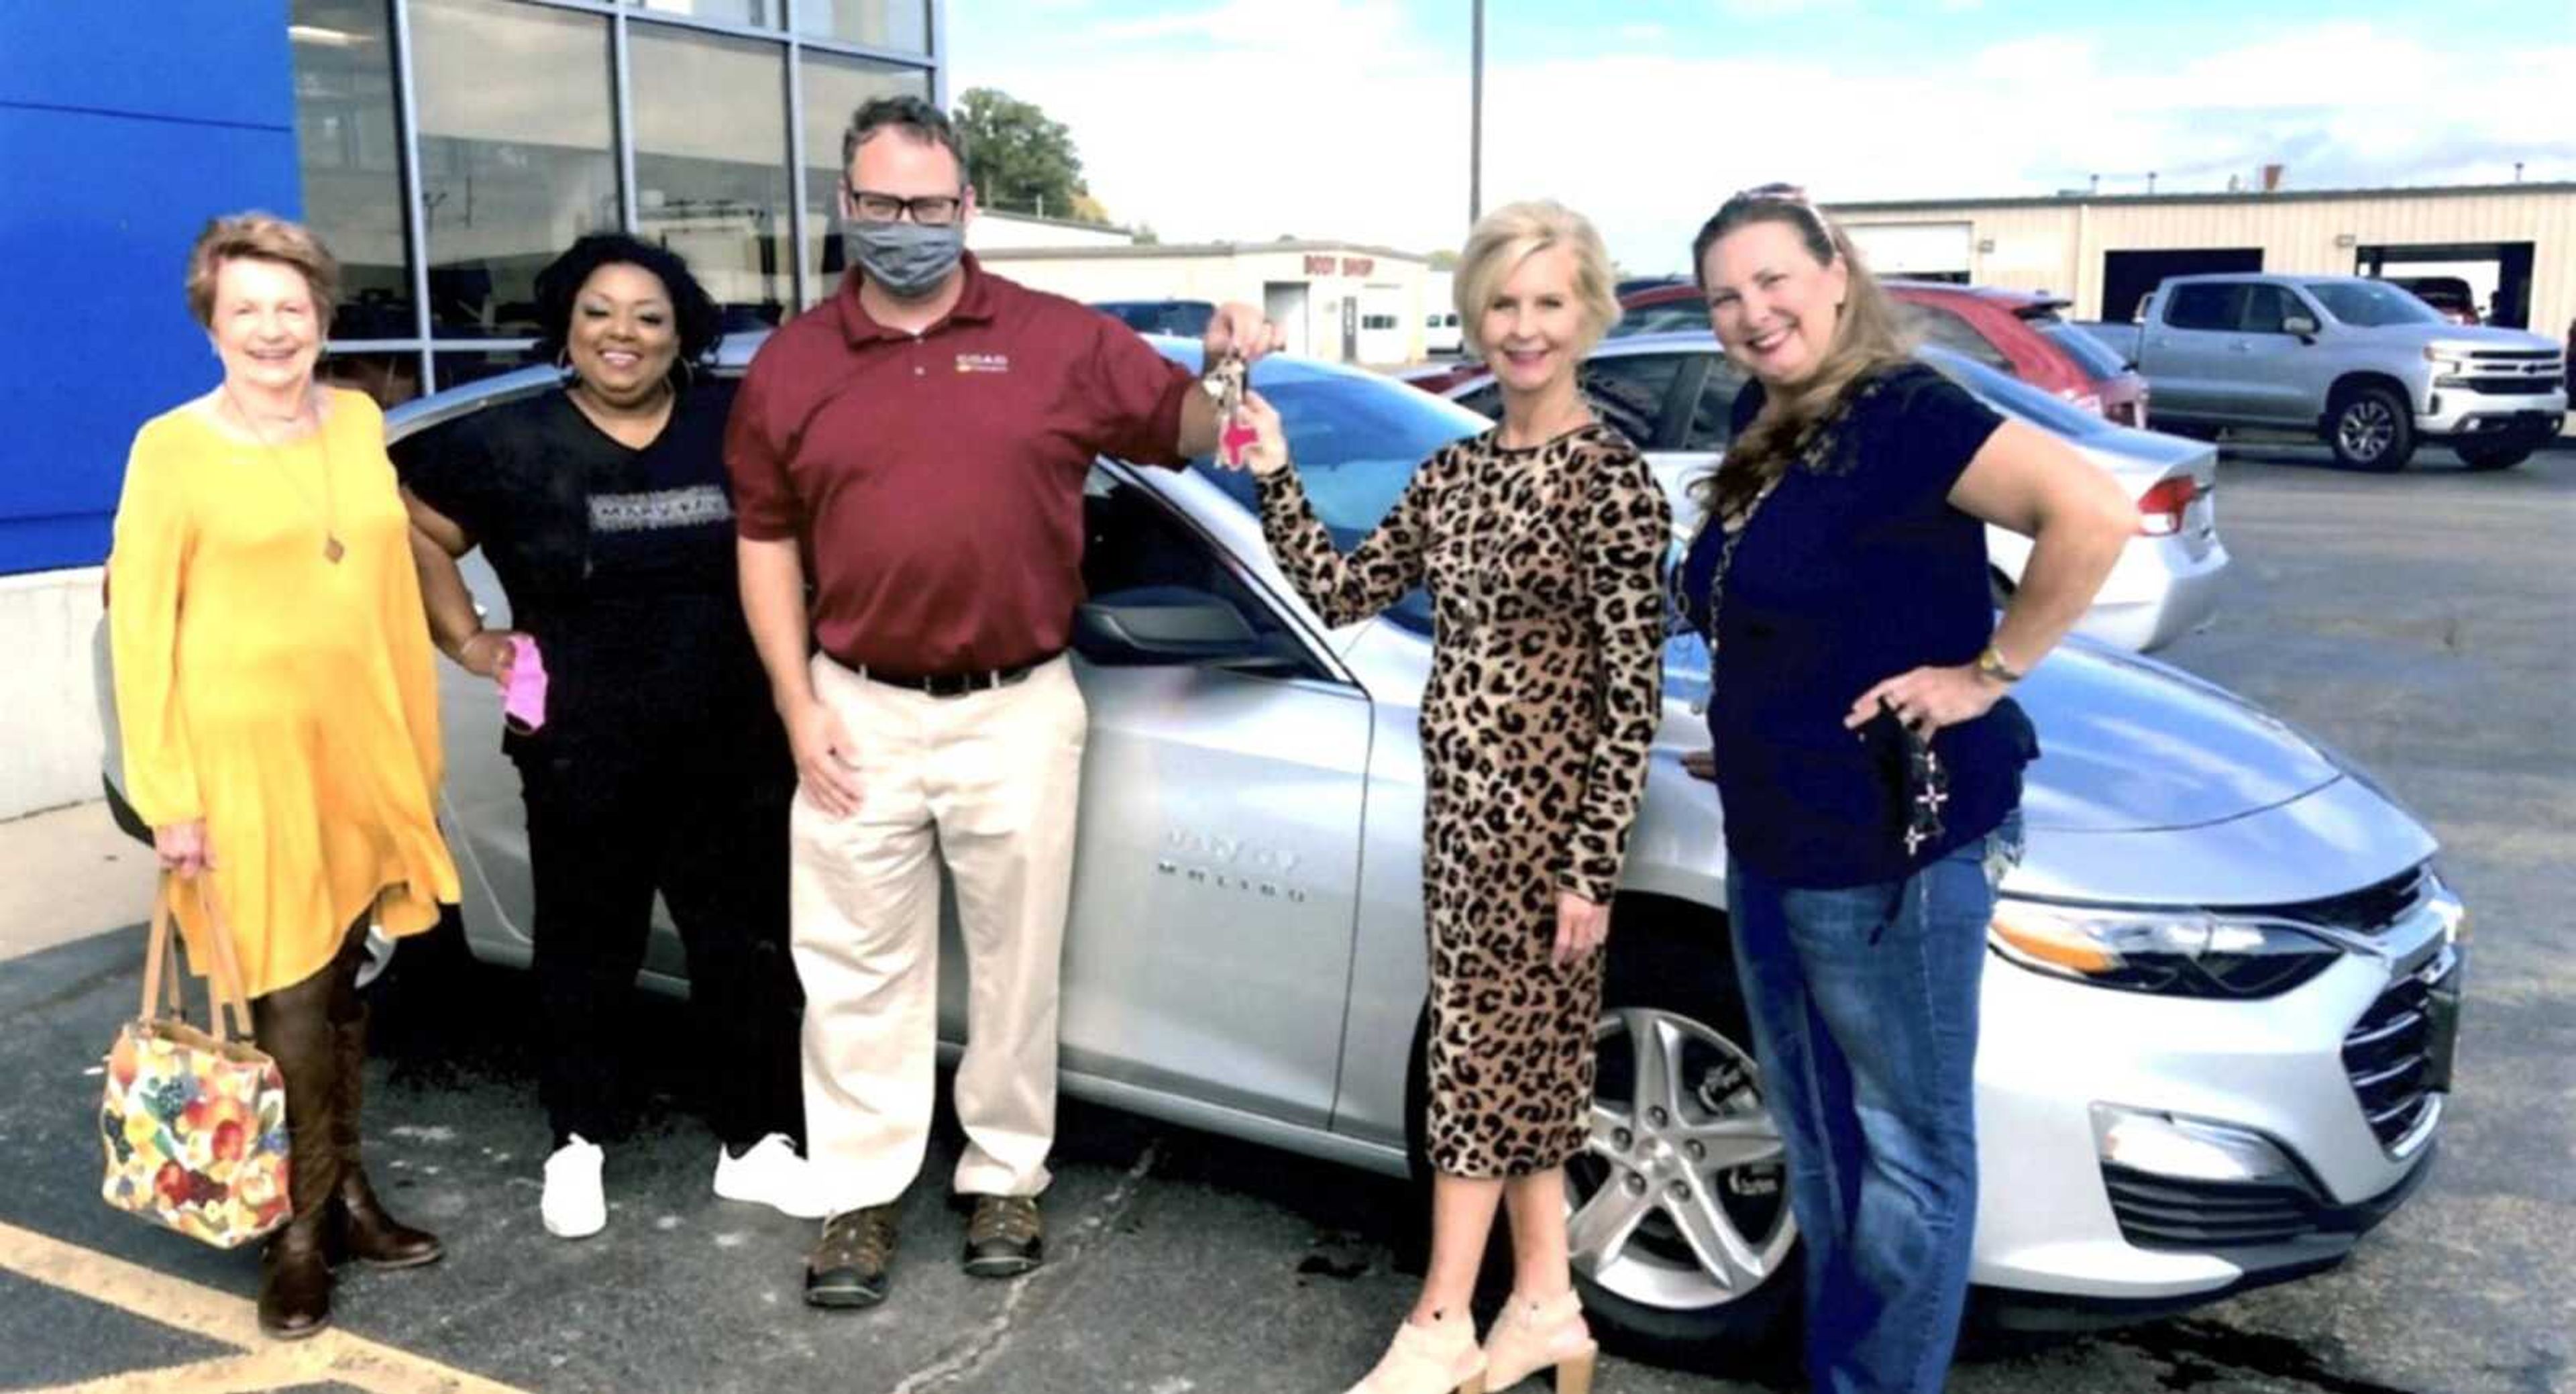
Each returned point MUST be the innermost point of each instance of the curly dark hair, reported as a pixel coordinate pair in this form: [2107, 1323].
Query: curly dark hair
[700, 323]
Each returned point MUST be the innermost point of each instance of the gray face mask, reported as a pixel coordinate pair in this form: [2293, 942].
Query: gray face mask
[905, 259]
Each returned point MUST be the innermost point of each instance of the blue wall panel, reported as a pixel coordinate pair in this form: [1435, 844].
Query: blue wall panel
[124, 125]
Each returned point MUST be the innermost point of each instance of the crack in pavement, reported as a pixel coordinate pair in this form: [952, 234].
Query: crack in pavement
[978, 1350]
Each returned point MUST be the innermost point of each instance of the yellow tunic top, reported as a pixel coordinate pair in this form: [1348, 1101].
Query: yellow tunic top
[288, 700]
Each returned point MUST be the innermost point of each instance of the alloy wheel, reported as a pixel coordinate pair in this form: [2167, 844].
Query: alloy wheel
[2367, 428]
[1680, 1200]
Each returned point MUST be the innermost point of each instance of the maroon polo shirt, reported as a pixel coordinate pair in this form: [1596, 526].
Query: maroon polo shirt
[936, 479]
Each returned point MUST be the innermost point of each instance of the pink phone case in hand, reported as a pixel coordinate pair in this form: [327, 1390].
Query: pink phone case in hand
[523, 705]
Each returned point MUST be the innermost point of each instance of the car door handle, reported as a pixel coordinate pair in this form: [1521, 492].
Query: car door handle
[2239, 346]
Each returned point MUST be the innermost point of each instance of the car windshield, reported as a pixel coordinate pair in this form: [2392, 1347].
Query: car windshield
[2099, 360]
[1185, 317]
[2371, 304]
[1356, 441]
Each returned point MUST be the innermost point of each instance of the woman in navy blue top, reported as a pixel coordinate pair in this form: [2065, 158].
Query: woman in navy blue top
[1867, 755]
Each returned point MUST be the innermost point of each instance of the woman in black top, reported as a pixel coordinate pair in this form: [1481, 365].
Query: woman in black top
[658, 765]
[1868, 759]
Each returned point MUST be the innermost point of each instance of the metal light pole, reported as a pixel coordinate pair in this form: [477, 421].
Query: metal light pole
[1476, 122]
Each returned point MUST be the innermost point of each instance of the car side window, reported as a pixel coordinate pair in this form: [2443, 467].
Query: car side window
[1951, 330]
[2266, 307]
[1712, 420]
[2204, 305]
[1133, 541]
[1485, 401]
[1629, 392]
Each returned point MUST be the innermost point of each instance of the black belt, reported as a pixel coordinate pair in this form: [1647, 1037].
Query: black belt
[952, 684]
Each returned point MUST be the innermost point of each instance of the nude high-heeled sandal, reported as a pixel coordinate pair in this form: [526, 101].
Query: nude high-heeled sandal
[1532, 1336]
[1441, 1358]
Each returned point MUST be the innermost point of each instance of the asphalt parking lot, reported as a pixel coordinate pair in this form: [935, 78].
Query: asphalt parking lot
[2420, 622]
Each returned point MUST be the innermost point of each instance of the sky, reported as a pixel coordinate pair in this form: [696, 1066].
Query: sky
[1247, 120]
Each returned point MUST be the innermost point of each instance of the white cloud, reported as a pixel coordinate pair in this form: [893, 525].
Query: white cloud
[1248, 120]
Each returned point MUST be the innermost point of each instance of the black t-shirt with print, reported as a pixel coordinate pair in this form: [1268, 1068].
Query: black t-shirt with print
[618, 561]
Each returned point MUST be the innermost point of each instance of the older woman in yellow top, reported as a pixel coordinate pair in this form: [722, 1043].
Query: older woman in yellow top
[280, 712]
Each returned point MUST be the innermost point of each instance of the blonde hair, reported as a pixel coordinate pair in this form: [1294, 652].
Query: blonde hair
[1512, 234]
[257, 236]
[1868, 338]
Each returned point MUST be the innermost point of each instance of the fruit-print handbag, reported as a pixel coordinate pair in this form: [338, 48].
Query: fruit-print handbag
[194, 1122]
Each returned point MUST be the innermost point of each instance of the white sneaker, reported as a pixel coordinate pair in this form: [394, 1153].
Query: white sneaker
[770, 1174]
[574, 1206]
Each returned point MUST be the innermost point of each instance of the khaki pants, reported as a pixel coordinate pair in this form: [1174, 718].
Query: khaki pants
[987, 782]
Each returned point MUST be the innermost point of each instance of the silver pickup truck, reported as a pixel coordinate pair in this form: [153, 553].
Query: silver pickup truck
[2362, 364]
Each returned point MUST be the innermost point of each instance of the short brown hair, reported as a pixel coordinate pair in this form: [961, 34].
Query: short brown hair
[257, 236]
[912, 116]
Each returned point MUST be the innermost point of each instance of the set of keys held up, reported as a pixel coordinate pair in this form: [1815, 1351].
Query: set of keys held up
[1224, 382]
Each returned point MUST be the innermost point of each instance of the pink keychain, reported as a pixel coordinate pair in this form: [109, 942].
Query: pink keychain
[1233, 435]
[523, 705]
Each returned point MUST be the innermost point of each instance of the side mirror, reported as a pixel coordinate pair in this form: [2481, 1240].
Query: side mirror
[1161, 626]
[2300, 325]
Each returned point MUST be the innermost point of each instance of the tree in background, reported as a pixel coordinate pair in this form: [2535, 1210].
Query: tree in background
[1020, 161]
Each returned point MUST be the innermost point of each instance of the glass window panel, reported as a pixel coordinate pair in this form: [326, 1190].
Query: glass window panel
[711, 164]
[903, 25]
[349, 150]
[391, 378]
[515, 129]
[835, 88]
[457, 369]
[761, 13]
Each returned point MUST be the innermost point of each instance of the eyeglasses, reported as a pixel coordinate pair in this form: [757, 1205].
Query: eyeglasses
[929, 210]
[1770, 193]
[1927, 791]
[1793, 196]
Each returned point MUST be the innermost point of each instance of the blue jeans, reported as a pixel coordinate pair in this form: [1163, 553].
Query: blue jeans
[1864, 1009]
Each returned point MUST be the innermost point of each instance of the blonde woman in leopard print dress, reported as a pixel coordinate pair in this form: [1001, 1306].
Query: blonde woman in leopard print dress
[1541, 542]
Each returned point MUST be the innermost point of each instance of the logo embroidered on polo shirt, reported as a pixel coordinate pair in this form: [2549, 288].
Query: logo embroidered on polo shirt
[983, 363]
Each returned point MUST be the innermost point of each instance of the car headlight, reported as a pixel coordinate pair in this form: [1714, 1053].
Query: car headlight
[2167, 953]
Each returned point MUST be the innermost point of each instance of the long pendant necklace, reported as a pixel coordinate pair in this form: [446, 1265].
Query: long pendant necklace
[332, 551]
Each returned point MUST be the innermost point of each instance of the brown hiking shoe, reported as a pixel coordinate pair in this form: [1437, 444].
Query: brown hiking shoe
[850, 1265]
[1005, 1238]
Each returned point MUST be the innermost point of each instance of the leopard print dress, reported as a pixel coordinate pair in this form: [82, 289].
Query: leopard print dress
[1544, 567]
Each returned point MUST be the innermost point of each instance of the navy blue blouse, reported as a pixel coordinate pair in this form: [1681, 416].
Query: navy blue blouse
[1855, 570]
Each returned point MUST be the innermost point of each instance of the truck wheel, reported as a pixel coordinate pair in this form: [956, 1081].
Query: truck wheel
[2371, 429]
[2493, 457]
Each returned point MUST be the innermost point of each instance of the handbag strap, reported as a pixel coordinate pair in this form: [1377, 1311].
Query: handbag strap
[223, 972]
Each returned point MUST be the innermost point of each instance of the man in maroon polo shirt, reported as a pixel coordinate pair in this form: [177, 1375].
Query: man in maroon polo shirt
[922, 439]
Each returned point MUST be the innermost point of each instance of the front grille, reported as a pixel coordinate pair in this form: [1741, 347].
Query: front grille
[2388, 1055]
[2549, 356]
[2161, 1212]
[2373, 909]
[2164, 1212]
[2499, 386]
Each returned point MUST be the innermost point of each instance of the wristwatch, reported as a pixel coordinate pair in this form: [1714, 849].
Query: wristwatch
[1991, 664]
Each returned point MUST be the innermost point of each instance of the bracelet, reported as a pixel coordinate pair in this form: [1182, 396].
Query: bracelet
[1991, 664]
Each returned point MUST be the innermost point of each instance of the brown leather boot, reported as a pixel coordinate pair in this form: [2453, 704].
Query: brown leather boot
[365, 1232]
[293, 1025]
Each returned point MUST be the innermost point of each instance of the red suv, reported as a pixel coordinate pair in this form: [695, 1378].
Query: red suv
[2011, 331]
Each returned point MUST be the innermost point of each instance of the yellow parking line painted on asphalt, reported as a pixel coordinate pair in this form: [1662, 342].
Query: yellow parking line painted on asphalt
[233, 1374]
[334, 1355]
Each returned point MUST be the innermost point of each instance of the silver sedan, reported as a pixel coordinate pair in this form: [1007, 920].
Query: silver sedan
[2217, 1014]
[1673, 394]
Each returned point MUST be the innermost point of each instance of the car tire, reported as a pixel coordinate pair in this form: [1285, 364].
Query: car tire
[1671, 977]
[2493, 457]
[2370, 428]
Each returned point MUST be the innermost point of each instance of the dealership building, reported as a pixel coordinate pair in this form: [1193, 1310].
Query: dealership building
[2513, 244]
[445, 149]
